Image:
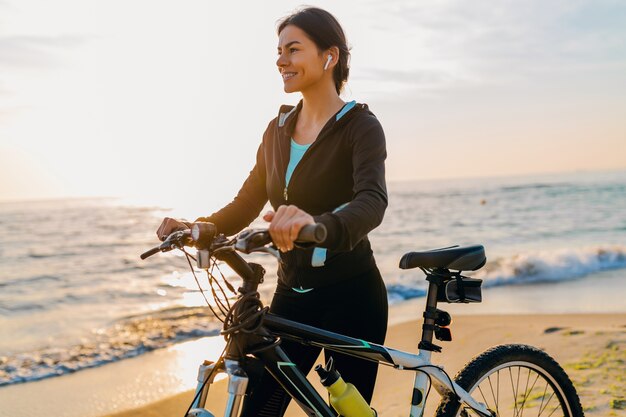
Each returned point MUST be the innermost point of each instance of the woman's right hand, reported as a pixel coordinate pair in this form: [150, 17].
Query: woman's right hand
[285, 225]
[168, 226]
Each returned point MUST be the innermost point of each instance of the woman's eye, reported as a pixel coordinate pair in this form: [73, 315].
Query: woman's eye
[291, 51]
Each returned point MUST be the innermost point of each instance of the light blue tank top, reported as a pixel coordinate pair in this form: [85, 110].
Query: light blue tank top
[295, 155]
[297, 150]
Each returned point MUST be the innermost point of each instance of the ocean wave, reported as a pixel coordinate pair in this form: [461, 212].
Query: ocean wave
[126, 338]
[531, 268]
[536, 186]
[399, 292]
[27, 281]
[50, 254]
[552, 266]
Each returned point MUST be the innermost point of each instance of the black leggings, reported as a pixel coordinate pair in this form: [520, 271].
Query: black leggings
[356, 307]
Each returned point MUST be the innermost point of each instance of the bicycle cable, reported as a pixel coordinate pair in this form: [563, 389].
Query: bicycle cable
[245, 315]
[221, 304]
[200, 287]
[224, 306]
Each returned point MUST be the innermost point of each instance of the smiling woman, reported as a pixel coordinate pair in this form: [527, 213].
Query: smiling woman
[309, 41]
[322, 161]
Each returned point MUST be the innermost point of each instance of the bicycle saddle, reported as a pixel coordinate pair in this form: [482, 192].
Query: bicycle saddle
[466, 258]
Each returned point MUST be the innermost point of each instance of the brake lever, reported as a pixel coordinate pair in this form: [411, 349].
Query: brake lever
[175, 240]
[271, 250]
[252, 240]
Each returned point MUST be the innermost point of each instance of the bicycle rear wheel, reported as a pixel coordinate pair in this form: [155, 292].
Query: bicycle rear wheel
[515, 380]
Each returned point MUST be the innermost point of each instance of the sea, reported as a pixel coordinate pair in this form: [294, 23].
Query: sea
[74, 293]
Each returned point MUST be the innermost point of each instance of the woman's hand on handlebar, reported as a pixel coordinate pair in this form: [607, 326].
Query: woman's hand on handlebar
[285, 224]
[168, 226]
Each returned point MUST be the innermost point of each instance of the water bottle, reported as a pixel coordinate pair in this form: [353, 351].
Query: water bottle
[344, 397]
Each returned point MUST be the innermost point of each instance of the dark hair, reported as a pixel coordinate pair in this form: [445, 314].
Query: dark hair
[325, 31]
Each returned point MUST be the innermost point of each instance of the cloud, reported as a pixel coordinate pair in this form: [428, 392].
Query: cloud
[385, 81]
[4, 91]
[417, 77]
[485, 41]
[28, 51]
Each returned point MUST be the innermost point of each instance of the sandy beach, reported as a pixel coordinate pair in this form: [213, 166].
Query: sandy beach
[591, 348]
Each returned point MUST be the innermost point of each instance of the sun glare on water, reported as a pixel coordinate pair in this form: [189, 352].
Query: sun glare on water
[190, 355]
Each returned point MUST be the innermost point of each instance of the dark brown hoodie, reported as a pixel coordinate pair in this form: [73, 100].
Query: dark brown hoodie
[340, 181]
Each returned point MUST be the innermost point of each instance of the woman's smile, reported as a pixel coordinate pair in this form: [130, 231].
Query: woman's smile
[288, 75]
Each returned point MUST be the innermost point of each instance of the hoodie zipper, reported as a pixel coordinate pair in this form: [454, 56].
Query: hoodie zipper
[286, 189]
[317, 140]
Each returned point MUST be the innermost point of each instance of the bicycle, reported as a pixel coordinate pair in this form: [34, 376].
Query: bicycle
[505, 380]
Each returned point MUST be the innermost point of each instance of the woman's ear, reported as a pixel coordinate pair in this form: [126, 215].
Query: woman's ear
[333, 52]
[329, 58]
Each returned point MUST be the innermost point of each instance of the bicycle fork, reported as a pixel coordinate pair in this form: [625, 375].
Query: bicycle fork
[237, 385]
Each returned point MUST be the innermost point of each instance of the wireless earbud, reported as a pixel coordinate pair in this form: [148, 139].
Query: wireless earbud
[330, 58]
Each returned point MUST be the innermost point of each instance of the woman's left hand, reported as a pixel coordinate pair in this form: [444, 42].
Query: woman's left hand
[285, 225]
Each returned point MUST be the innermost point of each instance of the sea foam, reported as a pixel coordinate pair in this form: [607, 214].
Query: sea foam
[552, 265]
[125, 339]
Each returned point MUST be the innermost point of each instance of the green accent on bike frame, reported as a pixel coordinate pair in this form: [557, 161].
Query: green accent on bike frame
[291, 364]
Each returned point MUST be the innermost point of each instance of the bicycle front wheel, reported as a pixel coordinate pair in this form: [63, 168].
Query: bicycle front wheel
[515, 380]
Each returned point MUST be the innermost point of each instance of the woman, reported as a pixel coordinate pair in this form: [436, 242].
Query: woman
[320, 161]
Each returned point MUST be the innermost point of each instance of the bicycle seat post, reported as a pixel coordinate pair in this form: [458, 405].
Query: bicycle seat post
[426, 342]
[426, 347]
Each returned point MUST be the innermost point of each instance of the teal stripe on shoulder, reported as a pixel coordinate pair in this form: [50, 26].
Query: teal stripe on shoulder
[346, 108]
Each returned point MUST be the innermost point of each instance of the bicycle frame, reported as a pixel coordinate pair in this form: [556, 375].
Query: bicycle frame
[300, 389]
[253, 335]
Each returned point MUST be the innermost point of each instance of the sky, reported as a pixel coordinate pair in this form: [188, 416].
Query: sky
[168, 100]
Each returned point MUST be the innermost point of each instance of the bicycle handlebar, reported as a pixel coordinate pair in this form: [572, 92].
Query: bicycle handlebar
[202, 235]
[150, 252]
[177, 239]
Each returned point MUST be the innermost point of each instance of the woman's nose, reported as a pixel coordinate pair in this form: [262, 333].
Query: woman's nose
[281, 61]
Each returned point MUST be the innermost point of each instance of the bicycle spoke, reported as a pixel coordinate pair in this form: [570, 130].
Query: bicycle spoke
[525, 393]
[482, 395]
[547, 402]
[543, 397]
[533, 387]
[528, 391]
[517, 389]
[549, 415]
[498, 394]
[528, 395]
[492, 394]
[514, 392]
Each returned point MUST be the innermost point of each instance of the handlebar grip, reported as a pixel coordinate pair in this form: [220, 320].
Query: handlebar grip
[150, 252]
[314, 233]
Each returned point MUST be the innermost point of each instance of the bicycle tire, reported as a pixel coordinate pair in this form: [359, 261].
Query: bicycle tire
[520, 366]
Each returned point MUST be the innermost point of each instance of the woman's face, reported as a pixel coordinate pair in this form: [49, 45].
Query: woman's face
[300, 62]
